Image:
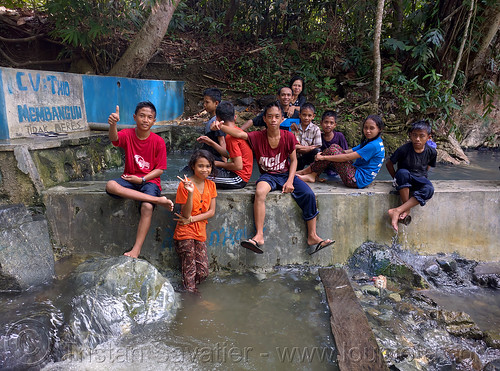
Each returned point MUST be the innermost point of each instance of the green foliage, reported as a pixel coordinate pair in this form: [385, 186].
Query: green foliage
[26, 4]
[326, 89]
[428, 94]
[93, 27]
[489, 91]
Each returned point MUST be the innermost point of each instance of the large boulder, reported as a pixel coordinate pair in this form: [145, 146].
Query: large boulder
[114, 294]
[26, 256]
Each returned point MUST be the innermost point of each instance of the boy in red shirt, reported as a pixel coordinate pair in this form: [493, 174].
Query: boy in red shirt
[276, 156]
[145, 160]
[235, 173]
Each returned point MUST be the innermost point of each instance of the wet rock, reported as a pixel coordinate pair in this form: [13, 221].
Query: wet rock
[466, 359]
[407, 365]
[377, 260]
[395, 297]
[362, 278]
[370, 289]
[451, 152]
[487, 274]
[373, 312]
[458, 324]
[492, 366]
[115, 294]
[447, 264]
[26, 256]
[418, 314]
[493, 339]
[432, 270]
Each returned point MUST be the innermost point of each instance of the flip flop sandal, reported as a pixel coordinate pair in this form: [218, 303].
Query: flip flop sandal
[315, 248]
[253, 245]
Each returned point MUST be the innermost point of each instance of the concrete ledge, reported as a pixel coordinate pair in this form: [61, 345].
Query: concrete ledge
[463, 216]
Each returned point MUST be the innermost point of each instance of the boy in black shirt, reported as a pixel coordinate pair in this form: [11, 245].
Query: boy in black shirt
[413, 160]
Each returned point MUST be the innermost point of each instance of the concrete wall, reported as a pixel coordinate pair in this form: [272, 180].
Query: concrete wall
[40, 101]
[463, 216]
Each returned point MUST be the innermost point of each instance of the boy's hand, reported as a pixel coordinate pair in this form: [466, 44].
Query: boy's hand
[288, 187]
[132, 179]
[216, 125]
[114, 117]
[205, 139]
[294, 127]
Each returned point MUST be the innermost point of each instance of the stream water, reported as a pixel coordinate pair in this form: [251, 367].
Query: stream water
[241, 321]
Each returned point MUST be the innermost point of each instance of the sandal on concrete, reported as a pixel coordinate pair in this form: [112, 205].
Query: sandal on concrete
[253, 245]
[313, 249]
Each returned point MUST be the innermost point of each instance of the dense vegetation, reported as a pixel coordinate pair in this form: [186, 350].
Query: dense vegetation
[433, 52]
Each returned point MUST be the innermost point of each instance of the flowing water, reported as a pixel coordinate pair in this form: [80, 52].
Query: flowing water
[240, 321]
[482, 304]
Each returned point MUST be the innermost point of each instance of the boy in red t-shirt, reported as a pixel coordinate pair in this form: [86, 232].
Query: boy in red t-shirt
[274, 150]
[235, 173]
[145, 160]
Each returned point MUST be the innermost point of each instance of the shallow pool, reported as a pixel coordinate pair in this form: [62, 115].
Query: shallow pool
[240, 321]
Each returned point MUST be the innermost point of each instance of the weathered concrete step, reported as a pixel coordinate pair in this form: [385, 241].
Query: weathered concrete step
[463, 216]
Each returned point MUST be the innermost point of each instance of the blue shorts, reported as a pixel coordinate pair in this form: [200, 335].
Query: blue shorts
[420, 187]
[148, 188]
[302, 194]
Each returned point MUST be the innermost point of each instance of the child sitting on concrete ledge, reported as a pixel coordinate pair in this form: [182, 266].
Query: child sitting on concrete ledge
[413, 160]
[145, 160]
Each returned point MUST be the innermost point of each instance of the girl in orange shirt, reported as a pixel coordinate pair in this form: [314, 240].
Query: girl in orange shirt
[197, 199]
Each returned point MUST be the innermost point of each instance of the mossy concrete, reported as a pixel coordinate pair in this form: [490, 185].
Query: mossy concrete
[86, 220]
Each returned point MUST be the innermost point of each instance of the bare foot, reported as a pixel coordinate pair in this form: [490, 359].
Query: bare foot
[258, 239]
[321, 180]
[305, 171]
[404, 214]
[166, 203]
[314, 241]
[310, 178]
[394, 215]
[134, 253]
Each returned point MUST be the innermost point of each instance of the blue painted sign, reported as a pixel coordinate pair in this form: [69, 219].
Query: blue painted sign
[42, 101]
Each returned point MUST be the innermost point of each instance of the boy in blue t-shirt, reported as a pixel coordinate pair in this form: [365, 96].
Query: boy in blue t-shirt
[413, 160]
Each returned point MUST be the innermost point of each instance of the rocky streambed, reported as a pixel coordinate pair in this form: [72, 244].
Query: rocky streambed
[413, 331]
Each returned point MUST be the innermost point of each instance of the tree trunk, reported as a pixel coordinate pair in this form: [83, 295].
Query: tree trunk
[230, 13]
[147, 41]
[397, 6]
[462, 45]
[494, 24]
[377, 64]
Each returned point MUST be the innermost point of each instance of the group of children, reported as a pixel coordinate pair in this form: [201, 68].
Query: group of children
[226, 162]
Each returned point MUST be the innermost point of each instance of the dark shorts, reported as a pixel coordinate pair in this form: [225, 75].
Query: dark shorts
[420, 187]
[148, 188]
[302, 194]
[226, 179]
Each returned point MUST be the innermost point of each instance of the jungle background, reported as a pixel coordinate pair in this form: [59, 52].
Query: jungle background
[437, 60]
